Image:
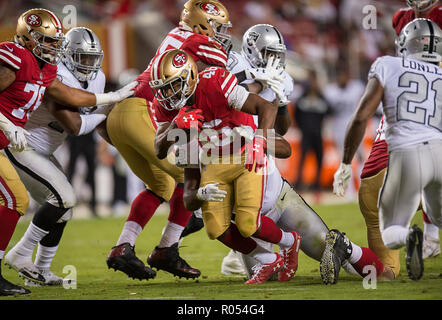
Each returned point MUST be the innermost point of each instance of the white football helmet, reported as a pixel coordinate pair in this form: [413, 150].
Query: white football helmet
[83, 55]
[420, 39]
[259, 42]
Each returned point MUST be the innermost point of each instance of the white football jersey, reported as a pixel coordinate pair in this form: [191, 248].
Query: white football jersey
[272, 188]
[237, 63]
[412, 102]
[47, 134]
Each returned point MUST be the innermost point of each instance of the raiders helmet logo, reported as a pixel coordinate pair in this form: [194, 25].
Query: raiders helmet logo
[33, 20]
[210, 9]
[252, 38]
[179, 60]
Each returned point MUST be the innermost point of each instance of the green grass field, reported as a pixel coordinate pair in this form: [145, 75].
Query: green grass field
[86, 244]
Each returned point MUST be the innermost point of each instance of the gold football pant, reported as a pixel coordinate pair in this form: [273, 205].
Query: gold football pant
[244, 197]
[368, 204]
[13, 193]
[131, 131]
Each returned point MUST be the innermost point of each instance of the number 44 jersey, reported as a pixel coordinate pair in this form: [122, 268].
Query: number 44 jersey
[25, 94]
[412, 100]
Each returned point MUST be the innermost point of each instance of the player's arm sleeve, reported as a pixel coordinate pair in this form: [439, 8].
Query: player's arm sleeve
[377, 70]
[235, 94]
[206, 52]
[10, 56]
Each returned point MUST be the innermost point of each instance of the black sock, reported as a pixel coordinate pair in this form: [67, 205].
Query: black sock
[53, 238]
[47, 216]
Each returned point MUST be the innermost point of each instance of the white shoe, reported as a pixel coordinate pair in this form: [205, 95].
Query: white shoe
[232, 264]
[431, 247]
[24, 266]
[51, 279]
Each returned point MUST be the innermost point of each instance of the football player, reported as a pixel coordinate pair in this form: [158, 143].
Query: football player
[409, 88]
[39, 170]
[224, 109]
[429, 9]
[287, 208]
[432, 10]
[131, 126]
[373, 172]
[27, 74]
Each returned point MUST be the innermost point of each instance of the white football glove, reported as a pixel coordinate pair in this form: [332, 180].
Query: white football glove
[116, 96]
[341, 178]
[211, 192]
[16, 135]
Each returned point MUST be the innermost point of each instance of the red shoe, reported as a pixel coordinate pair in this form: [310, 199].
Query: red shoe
[264, 272]
[290, 257]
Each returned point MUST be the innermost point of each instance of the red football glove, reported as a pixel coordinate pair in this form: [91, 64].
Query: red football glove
[255, 153]
[189, 117]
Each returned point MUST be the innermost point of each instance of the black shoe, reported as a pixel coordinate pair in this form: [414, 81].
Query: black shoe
[193, 225]
[337, 249]
[168, 259]
[9, 289]
[123, 258]
[413, 257]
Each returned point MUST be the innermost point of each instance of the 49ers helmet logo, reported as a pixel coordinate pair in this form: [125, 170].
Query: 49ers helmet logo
[33, 20]
[179, 60]
[210, 9]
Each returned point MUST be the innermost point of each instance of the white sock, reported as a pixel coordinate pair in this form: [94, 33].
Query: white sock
[44, 256]
[171, 234]
[130, 233]
[263, 255]
[33, 235]
[287, 240]
[356, 253]
[431, 231]
[395, 237]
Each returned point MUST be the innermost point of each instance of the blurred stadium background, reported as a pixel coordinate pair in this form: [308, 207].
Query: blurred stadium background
[324, 38]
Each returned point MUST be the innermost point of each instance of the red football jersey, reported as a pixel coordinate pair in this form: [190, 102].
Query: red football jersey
[212, 96]
[25, 94]
[405, 15]
[199, 47]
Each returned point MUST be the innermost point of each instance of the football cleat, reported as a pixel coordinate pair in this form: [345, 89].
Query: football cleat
[413, 256]
[290, 257]
[123, 258]
[431, 247]
[9, 289]
[51, 279]
[193, 225]
[168, 259]
[24, 266]
[263, 272]
[338, 248]
[232, 264]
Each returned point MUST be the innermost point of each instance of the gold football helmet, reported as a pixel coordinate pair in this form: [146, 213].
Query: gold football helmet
[211, 19]
[174, 77]
[41, 31]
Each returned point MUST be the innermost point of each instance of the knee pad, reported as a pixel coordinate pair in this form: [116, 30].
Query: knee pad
[66, 217]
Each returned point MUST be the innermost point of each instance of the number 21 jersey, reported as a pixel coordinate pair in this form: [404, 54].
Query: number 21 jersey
[412, 100]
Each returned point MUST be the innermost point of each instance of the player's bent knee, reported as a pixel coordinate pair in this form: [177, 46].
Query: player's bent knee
[66, 217]
[247, 229]
[394, 237]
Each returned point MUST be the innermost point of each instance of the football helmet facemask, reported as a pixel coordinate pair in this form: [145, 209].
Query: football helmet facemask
[41, 32]
[421, 5]
[210, 17]
[259, 42]
[420, 39]
[83, 55]
[174, 77]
